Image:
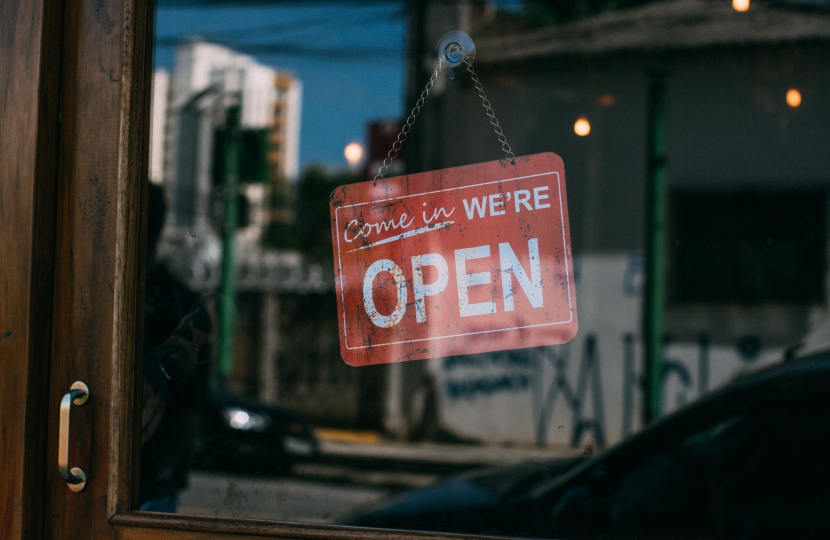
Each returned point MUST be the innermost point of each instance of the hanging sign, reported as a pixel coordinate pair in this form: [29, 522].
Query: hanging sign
[457, 261]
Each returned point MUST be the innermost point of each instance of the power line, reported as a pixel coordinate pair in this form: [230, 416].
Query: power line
[306, 25]
[292, 48]
[212, 4]
[274, 49]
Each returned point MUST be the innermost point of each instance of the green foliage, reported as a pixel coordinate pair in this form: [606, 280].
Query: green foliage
[310, 229]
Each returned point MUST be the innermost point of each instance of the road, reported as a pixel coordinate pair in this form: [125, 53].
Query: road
[286, 499]
[346, 479]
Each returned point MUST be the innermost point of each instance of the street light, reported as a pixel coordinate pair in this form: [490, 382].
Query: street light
[353, 153]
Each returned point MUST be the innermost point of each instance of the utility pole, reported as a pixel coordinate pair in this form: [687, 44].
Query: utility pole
[417, 52]
[227, 316]
[653, 299]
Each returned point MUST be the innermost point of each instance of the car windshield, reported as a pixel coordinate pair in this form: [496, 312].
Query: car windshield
[527, 267]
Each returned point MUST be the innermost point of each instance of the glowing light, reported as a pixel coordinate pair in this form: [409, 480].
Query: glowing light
[353, 153]
[793, 98]
[740, 5]
[241, 420]
[582, 127]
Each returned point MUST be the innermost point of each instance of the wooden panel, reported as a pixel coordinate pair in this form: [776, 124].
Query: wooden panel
[149, 526]
[29, 97]
[148, 534]
[97, 256]
[127, 376]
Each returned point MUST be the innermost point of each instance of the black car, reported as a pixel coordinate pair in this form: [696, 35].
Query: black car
[748, 461]
[237, 434]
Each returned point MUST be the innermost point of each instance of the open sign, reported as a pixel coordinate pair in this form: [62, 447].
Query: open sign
[457, 261]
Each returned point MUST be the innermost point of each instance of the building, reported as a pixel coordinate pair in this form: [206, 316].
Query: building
[748, 180]
[284, 136]
[186, 122]
[187, 158]
[160, 122]
[188, 109]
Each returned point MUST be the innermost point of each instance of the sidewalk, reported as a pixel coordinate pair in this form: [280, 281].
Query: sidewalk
[362, 449]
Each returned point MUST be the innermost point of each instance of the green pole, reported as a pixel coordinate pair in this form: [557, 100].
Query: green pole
[655, 248]
[229, 221]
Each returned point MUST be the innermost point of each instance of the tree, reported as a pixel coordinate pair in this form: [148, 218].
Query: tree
[310, 229]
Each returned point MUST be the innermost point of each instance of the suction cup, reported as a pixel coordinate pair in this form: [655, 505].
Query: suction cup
[453, 47]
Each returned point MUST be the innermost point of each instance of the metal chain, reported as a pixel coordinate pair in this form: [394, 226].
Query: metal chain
[396, 146]
[489, 110]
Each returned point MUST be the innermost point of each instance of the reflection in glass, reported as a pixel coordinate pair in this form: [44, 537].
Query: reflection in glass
[264, 420]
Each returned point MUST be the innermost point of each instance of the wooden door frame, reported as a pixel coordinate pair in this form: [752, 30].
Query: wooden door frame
[30, 63]
[105, 87]
[74, 114]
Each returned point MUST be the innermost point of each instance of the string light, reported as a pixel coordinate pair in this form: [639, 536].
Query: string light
[740, 5]
[793, 98]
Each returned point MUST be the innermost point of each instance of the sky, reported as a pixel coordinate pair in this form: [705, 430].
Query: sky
[349, 55]
[356, 75]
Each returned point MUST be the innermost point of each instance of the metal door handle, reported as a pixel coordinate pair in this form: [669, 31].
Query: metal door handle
[75, 477]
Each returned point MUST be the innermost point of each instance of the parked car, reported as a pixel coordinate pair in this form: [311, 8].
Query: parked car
[243, 435]
[748, 461]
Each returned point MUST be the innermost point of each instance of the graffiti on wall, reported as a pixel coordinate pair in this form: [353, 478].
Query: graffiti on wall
[590, 390]
[574, 397]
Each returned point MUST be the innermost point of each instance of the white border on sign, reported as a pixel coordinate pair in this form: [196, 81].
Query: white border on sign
[564, 248]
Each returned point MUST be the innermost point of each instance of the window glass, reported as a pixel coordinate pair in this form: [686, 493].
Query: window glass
[690, 404]
[748, 474]
[740, 254]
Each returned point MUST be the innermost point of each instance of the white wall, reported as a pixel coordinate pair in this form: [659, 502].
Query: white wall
[507, 397]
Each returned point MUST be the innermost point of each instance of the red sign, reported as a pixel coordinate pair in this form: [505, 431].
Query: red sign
[457, 261]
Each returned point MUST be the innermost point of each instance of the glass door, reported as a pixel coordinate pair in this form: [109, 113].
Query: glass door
[179, 304]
